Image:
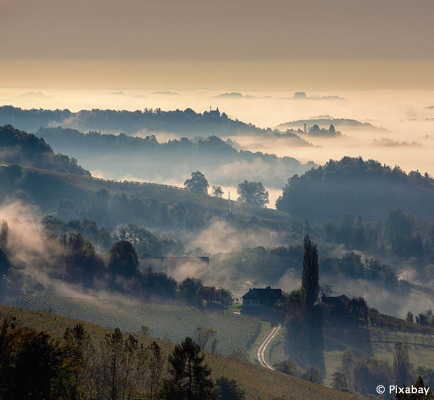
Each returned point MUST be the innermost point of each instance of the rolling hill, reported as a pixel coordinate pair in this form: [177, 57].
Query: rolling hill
[148, 159]
[359, 187]
[110, 203]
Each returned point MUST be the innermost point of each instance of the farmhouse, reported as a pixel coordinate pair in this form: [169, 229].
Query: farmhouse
[338, 302]
[262, 297]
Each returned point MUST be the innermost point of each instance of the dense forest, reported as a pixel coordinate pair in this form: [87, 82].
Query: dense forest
[67, 258]
[19, 147]
[352, 185]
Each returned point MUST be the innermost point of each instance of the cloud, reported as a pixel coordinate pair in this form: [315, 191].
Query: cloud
[221, 237]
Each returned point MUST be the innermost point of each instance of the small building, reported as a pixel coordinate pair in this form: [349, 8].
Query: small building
[338, 302]
[262, 297]
[169, 265]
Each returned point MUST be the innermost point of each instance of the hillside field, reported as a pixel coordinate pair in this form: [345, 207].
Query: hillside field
[168, 322]
[259, 383]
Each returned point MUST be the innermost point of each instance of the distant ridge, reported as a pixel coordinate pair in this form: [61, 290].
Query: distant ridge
[343, 123]
[187, 123]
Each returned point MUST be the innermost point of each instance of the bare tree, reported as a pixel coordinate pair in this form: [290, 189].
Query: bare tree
[156, 368]
[203, 337]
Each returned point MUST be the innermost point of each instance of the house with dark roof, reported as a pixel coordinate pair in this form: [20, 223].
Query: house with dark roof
[338, 302]
[262, 297]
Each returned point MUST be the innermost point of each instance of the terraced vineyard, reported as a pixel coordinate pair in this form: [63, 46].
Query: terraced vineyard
[168, 322]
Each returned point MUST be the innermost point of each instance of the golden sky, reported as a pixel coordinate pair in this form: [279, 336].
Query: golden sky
[322, 44]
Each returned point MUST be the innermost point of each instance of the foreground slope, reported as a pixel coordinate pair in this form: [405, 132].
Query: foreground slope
[258, 382]
[168, 322]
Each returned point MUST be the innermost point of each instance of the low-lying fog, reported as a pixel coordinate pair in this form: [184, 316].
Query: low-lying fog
[406, 138]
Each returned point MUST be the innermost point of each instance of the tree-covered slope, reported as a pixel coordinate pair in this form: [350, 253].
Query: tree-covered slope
[148, 159]
[111, 203]
[358, 187]
[26, 149]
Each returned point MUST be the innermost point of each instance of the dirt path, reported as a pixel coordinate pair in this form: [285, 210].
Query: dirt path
[262, 348]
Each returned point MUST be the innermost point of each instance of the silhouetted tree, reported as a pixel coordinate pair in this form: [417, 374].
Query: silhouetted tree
[124, 260]
[190, 378]
[217, 191]
[310, 278]
[156, 369]
[197, 183]
[252, 193]
[313, 374]
[287, 367]
[79, 353]
[189, 287]
[410, 317]
[228, 389]
[358, 308]
[4, 235]
[32, 364]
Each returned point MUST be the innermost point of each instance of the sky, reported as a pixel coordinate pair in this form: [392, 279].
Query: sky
[244, 44]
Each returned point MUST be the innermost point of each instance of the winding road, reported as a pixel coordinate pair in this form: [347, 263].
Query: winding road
[262, 348]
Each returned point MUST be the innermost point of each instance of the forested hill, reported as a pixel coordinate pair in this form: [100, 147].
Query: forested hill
[146, 158]
[358, 187]
[111, 203]
[26, 149]
[186, 123]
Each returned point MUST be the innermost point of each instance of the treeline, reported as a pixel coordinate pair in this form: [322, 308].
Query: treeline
[19, 147]
[363, 375]
[399, 236]
[143, 240]
[34, 365]
[72, 260]
[111, 203]
[149, 159]
[358, 187]
[285, 261]
[186, 122]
